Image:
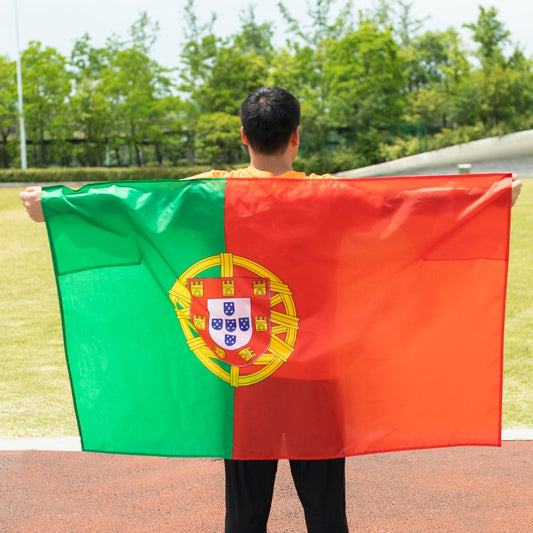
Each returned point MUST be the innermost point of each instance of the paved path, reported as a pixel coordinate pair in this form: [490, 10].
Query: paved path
[469, 489]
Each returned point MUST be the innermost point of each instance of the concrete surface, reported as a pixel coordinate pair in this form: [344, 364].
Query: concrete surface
[509, 153]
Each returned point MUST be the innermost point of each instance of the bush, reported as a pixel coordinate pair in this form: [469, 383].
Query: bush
[340, 159]
[80, 175]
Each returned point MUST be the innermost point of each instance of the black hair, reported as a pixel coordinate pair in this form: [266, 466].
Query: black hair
[269, 117]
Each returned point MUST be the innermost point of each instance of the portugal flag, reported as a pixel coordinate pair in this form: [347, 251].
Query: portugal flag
[283, 318]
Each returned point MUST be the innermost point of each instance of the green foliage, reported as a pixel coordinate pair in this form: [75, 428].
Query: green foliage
[358, 74]
[46, 85]
[80, 175]
[504, 84]
[8, 107]
[90, 108]
[254, 37]
[218, 140]
[365, 89]
[135, 106]
[329, 161]
[199, 50]
[518, 346]
[490, 34]
[233, 74]
[435, 58]
[321, 26]
[365, 75]
[143, 33]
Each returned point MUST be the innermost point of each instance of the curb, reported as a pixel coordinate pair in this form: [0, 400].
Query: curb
[55, 444]
[73, 444]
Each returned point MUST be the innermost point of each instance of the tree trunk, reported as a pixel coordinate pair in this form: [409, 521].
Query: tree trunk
[5, 155]
[42, 150]
[117, 155]
[158, 154]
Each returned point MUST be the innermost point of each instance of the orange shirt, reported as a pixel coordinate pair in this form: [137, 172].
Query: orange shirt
[251, 172]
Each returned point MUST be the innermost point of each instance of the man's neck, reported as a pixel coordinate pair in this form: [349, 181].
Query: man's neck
[274, 164]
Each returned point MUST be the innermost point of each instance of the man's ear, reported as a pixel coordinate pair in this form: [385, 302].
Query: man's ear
[295, 137]
[243, 138]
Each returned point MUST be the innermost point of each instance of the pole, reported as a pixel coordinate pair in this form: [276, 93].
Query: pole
[23, 159]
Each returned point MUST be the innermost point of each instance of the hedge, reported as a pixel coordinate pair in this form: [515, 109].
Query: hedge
[80, 175]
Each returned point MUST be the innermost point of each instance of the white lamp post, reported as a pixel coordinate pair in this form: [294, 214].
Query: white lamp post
[23, 159]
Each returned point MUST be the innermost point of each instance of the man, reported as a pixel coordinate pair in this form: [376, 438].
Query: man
[270, 128]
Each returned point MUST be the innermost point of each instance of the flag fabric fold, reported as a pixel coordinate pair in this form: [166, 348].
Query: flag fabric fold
[283, 318]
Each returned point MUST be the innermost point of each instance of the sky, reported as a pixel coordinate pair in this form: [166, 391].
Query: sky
[58, 23]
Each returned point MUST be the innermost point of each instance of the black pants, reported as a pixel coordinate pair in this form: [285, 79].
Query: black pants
[320, 485]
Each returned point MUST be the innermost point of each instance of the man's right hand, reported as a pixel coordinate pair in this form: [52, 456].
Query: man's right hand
[515, 191]
[31, 200]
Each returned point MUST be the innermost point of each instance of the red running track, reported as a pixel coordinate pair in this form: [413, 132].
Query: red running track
[448, 490]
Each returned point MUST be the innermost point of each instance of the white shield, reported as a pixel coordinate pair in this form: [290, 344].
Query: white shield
[230, 321]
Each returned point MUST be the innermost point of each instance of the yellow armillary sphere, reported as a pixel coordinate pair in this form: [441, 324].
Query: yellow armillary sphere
[283, 320]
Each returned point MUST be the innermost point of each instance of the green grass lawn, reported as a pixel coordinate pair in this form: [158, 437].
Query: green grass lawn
[518, 365]
[35, 397]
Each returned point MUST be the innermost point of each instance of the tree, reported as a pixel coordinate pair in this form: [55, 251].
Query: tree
[490, 34]
[219, 141]
[132, 88]
[199, 51]
[235, 68]
[133, 85]
[234, 74]
[8, 106]
[174, 144]
[320, 25]
[434, 57]
[254, 37]
[196, 59]
[365, 80]
[504, 82]
[90, 109]
[300, 72]
[397, 17]
[143, 33]
[436, 64]
[46, 88]
[299, 66]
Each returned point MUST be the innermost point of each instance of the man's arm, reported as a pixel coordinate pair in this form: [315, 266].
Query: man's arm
[515, 191]
[31, 200]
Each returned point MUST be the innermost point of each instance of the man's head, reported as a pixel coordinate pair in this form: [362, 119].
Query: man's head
[269, 118]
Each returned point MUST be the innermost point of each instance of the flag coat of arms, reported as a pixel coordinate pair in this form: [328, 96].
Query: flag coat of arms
[236, 329]
[283, 317]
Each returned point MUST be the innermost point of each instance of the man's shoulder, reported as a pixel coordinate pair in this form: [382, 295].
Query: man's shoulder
[212, 174]
[254, 173]
[235, 173]
[314, 176]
